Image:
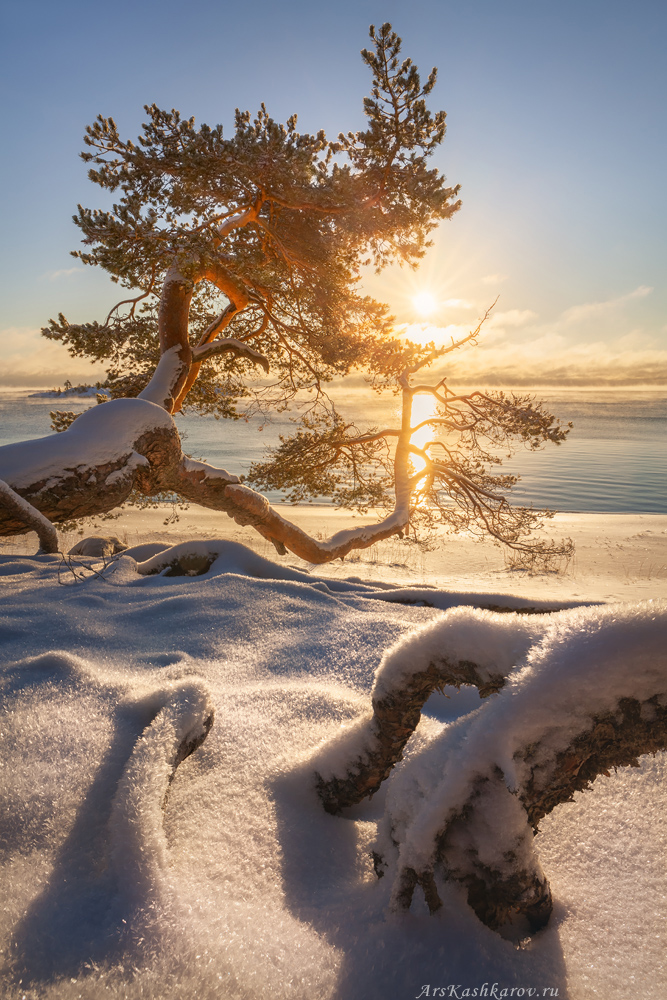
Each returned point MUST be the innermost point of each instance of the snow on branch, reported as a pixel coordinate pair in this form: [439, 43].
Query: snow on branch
[466, 647]
[230, 346]
[577, 694]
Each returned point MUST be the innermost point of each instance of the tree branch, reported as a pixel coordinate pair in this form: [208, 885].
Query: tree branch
[28, 515]
[230, 346]
[454, 346]
[214, 488]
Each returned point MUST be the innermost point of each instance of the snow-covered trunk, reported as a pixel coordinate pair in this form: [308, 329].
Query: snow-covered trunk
[181, 716]
[91, 467]
[132, 443]
[409, 672]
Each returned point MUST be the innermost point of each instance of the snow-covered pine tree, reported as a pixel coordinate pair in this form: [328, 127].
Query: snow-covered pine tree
[242, 255]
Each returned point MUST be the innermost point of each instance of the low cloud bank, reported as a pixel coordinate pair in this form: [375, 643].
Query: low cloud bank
[596, 344]
[31, 361]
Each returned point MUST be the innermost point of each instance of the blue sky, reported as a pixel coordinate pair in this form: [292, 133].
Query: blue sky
[556, 132]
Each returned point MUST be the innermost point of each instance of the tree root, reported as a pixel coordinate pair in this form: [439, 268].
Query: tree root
[408, 674]
[395, 718]
[517, 887]
[576, 695]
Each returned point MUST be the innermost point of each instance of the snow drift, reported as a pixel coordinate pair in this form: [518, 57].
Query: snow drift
[239, 884]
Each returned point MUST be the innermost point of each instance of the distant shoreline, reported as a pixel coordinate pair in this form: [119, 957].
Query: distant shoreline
[47, 388]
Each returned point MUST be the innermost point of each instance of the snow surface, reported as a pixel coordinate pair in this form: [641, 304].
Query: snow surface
[242, 886]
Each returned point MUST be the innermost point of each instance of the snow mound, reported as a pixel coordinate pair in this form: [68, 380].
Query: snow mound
[216, 556]
[238, 884]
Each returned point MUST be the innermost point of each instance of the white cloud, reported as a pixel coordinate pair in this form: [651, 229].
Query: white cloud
[513, 318]
[64, 272]
[586, 345]
[458, 304]
[425, 333]
[589, 309]
[494, 279]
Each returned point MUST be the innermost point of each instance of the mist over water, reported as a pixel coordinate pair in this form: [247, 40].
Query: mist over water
[614, 461]
[615, 458]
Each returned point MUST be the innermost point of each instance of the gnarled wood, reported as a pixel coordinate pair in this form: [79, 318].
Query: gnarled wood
[93, 466]
[217, 490]
[614, 739]
[395, 718]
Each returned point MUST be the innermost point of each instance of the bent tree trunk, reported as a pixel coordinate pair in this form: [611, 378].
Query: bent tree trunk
[578, 694]
[127, 444]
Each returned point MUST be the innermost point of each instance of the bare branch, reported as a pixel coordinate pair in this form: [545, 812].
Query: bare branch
[23, 511]
[132, 302]
[230, 346]
[454, 346]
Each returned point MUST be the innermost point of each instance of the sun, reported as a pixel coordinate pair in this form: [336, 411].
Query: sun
[425, 303]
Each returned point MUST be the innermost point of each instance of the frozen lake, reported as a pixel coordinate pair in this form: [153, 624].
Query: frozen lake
[615, 460]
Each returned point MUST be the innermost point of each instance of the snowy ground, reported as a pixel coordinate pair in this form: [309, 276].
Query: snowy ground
[241, 886]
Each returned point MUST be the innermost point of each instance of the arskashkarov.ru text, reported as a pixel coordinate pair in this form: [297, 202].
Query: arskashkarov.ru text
[487, 990]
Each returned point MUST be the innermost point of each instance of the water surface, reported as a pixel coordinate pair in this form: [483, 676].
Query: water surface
[614, 461]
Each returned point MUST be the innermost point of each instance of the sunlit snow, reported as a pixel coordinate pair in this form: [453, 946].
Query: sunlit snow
[231, 881]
